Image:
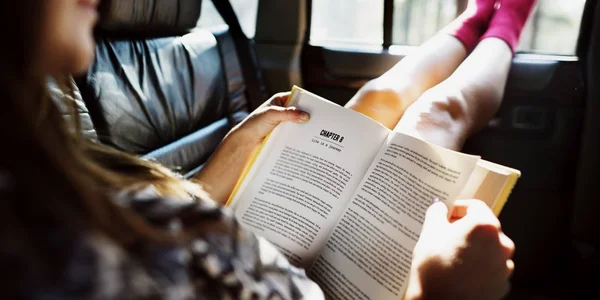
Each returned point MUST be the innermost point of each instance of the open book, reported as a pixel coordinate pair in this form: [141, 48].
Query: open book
[345, 197]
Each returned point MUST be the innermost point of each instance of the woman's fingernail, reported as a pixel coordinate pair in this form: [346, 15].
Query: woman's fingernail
[304, 116]
[435, 200]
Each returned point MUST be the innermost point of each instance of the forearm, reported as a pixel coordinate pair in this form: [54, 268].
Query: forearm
[223, 169]
[413, 291]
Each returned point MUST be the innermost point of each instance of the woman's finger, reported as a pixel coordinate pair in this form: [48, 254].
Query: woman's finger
[473, 211]
[508, 246]
[278, 99]
[276, 114]
[498, 291]
[265, 119]
[435, 217]
[459, 209]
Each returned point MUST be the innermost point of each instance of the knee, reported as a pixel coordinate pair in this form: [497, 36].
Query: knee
[384, 99]
[438, 117]
[380, 103]
[440, 109]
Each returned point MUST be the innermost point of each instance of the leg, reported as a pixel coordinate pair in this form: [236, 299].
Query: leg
[386, 98]
[449, 112]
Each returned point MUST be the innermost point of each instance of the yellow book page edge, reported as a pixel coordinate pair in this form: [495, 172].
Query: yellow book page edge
[249, 165]
[503, 196]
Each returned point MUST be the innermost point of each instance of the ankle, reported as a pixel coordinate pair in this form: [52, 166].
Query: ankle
[472, 23]
[509, 20]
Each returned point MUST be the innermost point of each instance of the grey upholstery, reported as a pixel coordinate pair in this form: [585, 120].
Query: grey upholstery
[149, 16]
[57, 95]
[170, 98]
[236, 87]
[144, 94]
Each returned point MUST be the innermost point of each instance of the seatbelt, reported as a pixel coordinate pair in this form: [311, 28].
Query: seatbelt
[244, 49]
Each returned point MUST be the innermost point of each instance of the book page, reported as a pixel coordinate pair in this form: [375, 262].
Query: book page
[305, 174]
[369, 253]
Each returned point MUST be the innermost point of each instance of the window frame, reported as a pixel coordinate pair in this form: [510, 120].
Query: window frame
[388, 24]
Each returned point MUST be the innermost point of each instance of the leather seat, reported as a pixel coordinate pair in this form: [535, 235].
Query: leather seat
[160, 88]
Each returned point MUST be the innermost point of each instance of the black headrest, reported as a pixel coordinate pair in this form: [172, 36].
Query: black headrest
[148, 17]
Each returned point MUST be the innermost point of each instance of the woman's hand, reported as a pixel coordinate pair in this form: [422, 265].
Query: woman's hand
[468, 257]
[264, 119]
[223, 169]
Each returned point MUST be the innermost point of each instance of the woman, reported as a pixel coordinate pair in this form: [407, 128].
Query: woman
[81, 221]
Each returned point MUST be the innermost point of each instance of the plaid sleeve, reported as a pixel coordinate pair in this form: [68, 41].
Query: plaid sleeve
[221, 259]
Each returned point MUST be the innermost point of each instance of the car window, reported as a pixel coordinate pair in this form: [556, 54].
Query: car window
[246, 11]
[347, 21]
[553, 27]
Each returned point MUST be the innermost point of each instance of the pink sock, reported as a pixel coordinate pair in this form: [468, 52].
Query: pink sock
[472, 23]
[509, 20]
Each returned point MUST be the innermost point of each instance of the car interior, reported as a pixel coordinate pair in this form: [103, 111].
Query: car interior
[166, 89]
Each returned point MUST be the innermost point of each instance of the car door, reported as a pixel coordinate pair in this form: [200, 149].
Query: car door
[536, 130]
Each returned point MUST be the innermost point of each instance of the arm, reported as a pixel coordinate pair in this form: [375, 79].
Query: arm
[228, 260]
[223, 169]
[211, 256]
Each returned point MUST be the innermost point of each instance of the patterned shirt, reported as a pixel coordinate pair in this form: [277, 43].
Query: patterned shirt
[223, 261]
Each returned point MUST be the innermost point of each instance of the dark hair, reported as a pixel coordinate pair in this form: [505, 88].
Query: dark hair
[50, 175]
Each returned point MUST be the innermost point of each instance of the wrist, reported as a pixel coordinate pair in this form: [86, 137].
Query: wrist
[234, 150]
[414, 290]
[240, 140]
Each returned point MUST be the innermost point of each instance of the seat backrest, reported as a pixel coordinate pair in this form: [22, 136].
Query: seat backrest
[57, 95]
[171, 98]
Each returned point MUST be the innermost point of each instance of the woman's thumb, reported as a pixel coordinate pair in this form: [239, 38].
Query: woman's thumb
[278, 114]
[436, 215]
[264, 120]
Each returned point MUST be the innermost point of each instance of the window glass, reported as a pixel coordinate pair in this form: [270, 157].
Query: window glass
[347, 21]
[246, 11]
[415, 21]
[553, 27]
